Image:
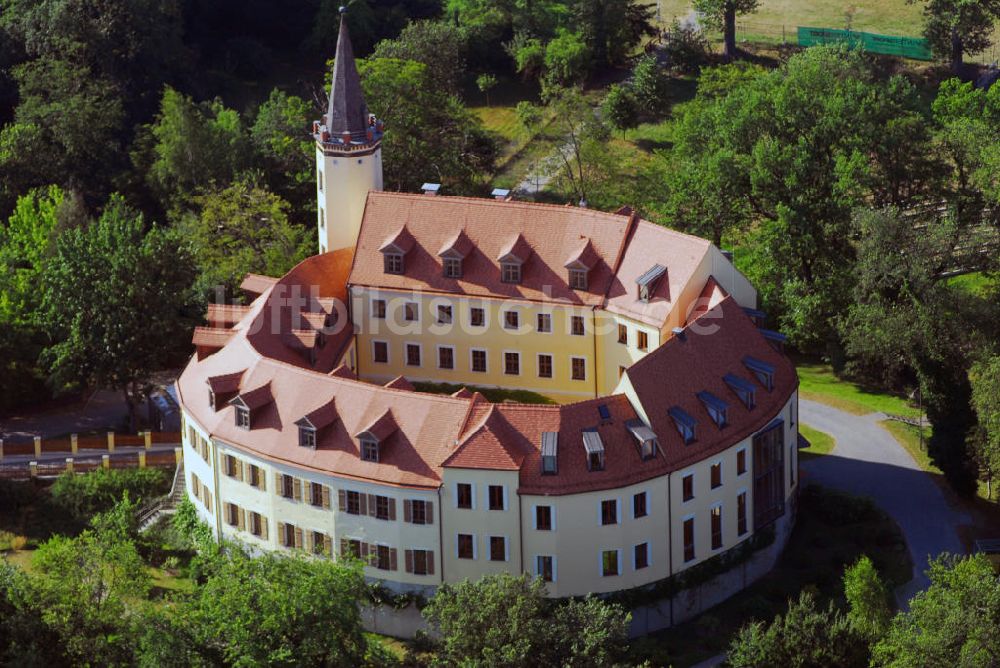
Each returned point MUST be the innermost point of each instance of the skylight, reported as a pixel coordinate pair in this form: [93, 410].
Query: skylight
[717, 408]
[762, 370]
[743, 389]
[684, 422]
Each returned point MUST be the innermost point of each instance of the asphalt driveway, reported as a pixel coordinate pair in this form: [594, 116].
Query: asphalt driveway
[868, 461]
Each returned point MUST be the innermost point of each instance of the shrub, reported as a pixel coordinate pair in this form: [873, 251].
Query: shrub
[90, 493]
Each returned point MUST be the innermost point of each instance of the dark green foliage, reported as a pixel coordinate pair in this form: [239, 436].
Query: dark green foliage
[502, 620]
[440, 45]
[620, 108]
[649, 85]
[957, 27]
[95, 492]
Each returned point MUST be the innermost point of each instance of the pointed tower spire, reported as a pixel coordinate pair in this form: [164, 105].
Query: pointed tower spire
[347, 111]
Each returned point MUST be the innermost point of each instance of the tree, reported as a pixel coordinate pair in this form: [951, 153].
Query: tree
[957, 27]
[985, 379]
[278, 610]
[279, 134]
[25, 640]
[620, 108]
[94, 285]
[430, 135]
[485, 83]
[439, 45]
[567, 60]
[582, 158]
[867, 600]
[25, 244]
[723, 13]
[240, 229]
[649, 84]
[612, 29]
[529, 115]
[805, 637]
[503, 620]
[953, 622]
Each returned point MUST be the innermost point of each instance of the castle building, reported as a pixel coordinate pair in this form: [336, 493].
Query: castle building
[671, 436]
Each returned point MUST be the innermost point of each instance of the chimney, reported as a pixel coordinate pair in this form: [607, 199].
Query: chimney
[431, 188]
[679, 333]
[502, 194]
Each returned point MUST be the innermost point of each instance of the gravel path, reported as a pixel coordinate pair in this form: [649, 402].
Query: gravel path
[868, 461]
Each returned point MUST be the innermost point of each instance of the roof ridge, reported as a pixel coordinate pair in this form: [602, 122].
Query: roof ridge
[486, 201]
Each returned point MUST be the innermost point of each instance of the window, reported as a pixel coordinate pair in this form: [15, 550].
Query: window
[353, 548]
[444, 314]
[316, 494]
[242, 417]
[498, 497]
[318, 542]
[576, 325]
[463, 495]
[543, 323]
[423, 562]
[716, 407]
[254, 476]
[544, 365]
[307, 437]
[411, 312]
[716, 474]
[378, 309]
[642, 340]
[595, 461]
[446, 357]
[452, 267]
[498, 548]
[479, 361]
[287, 486]
[477, 316]
[511, 320]
[689, 539]
[741, 461]
[510, 272]
[579, 368]
[640, 556]
[512, 363]
[543, 518]
[578, 279]
[684, 422]
[623, 334]
[716, 527]
[545, 568]
[353, 503]
[419, 513]
[412, 354]
[393, 263]
[763, 371]
[609, 512]
[256, 524]
[768, 475]
[319, 184]
[791, 465]
[609, 563]
[639, 505]
[741, 513]
[232, 514]
[384, 508]
[369, 450]
[466, 546]
[687, 487]
[288, 539]
[232, 466]
[383, 558]
[380, 352]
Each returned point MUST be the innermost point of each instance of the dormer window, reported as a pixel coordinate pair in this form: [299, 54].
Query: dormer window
[550, 444]
[717, 409]
[742, 388]
[645, 439]
[594, 447]
[647, 283]
[369, 449]
[243, 417]
[578, 279]
[510, 272]
[393, 263]
[763, 371]
[685, 423]
[307, 437]
[452, 267]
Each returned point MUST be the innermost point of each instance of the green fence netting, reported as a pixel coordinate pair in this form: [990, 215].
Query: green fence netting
[905, 47]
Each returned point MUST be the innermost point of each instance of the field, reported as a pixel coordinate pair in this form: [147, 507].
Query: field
[817, 382]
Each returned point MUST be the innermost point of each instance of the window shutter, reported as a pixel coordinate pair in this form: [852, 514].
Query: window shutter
[281, 534]
[342, 500]
[307, 491]
[393, 559]
[430, 562]
[407, 510]
[298, 537]
[364, 552]
[262, 480]
[238, 469]
[326, 497]
[277, 481]
[363, 504]
[245, 471]
[372, 505]
[263, 526]
[392, 510]
[408, 558]
[242, 519]
[429, 512]
[328, 542]
[297, 488]
[345, 547]
[310, 541]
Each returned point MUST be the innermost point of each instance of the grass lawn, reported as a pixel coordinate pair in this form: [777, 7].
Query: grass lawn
[833, 530]
[496, 395]
[820, 443]
[817, 382]
[978, 284]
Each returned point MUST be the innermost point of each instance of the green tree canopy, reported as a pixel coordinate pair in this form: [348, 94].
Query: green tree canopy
[723, 13]
[957, 27]
[868, 600]
[440, 45]
[620, 108]
[280, 134]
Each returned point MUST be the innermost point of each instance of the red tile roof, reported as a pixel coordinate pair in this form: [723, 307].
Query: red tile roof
[323, 416]
[228, 382]
[400, 383]
[210, 337]
[256, 285]
[225, 315]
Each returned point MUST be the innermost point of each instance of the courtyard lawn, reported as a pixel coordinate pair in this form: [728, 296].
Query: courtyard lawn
[820, 443]
[817, 382]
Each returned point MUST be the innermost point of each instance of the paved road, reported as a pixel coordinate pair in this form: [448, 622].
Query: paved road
[104, 409]
[868, 461]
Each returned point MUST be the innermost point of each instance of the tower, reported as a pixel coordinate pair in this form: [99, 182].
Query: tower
[348, 153]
